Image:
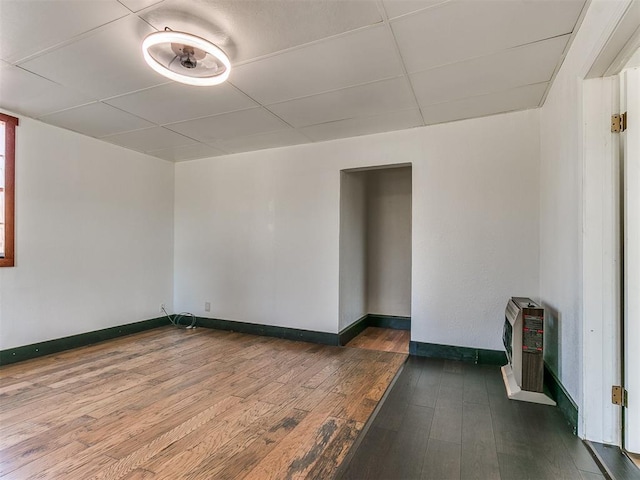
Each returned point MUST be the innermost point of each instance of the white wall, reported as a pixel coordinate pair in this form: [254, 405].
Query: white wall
[353, 248]
[562, 201]
[389, 241]
[634, 61]
[257, 234]
[475, 227]
[94, 237]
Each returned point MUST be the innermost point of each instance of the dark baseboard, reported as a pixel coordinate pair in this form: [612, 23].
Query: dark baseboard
[40, 349]
[353, 330]
[389, 321]
[26, 352]
[286, 333]
[373, 320]
[342, 338]
[465, 354]
[563, 400]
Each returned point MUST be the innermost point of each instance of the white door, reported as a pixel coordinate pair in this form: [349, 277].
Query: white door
[630, 139]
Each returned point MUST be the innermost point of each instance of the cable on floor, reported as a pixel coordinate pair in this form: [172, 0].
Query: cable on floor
[176, 319]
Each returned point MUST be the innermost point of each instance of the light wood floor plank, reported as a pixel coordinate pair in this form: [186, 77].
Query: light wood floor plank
[207, 458]
[175, 404]
[335, 452]
[239, 464]
[299, 450]
[382, 339]
[221, 422]
[41, 444]
[140, 474]
[36, 467]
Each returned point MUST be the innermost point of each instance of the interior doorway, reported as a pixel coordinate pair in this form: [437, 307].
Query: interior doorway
[375, 258]
[611, 232]
[611, 349]
[630, 151]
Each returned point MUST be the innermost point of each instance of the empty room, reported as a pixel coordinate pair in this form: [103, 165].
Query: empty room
[350, 239]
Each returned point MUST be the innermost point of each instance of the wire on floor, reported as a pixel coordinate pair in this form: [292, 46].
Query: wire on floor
[177, 319]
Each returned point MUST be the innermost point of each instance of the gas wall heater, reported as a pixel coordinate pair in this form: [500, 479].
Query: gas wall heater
[523, 339]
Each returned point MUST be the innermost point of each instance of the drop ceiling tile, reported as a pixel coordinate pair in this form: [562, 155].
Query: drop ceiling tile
[230, 125]
[175, 102]
[517, 99]
[28, 27]
[149, 139]
[358, 57]
[363, 100]
[96, 120]
[396, 8]
[137, 5]
[459, 30]
[281, 138]
[28, 94]
[106, 63]
[526, 65]
[354, 127]
[187, 152]
[252, 28]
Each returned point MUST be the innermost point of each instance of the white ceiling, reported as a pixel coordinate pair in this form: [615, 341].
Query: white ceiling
[303, 70]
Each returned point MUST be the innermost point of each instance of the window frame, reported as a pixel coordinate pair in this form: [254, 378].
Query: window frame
[10, 124]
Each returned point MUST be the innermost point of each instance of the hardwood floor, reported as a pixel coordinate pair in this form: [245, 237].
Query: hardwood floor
[449, 420]
[382, 339]
[208, 404]
[193, 404]
[617, 464]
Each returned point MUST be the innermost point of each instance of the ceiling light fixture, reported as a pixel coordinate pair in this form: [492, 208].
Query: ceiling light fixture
[186, 58]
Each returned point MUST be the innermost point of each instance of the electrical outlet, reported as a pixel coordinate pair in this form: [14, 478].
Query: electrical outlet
[162, 307]
[207, 306]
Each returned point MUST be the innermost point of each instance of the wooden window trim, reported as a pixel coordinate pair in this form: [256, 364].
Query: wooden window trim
[10, 124]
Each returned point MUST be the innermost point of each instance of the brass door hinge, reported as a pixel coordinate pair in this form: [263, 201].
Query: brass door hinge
[618, 396]
[619, 122]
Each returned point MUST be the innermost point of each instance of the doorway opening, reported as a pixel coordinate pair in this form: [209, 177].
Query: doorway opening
[630, 151]
[612, 207]
[375, 258]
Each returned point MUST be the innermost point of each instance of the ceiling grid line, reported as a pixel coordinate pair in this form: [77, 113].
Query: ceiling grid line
[300, 71]
[399, 53]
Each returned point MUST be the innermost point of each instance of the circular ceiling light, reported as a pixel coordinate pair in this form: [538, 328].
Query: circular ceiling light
[186, 58]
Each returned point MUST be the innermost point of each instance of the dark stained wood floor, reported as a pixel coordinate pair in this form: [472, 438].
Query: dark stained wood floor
[382, 339]
[199, 404]
[618, 465]
[451, 420]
